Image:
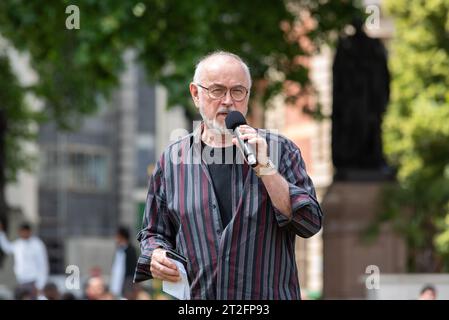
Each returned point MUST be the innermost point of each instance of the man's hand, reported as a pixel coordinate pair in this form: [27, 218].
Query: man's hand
[256, 141]
[162, 268]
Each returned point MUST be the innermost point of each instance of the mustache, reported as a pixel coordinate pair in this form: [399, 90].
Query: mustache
[224, 110]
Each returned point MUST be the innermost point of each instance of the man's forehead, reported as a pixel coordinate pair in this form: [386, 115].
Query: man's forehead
[217, 68]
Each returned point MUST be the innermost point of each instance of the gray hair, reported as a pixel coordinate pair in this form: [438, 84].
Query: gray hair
[200, 64]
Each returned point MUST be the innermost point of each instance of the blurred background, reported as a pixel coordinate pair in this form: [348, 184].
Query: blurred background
[91, 92]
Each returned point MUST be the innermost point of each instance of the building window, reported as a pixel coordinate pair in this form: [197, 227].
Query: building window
[77, 168]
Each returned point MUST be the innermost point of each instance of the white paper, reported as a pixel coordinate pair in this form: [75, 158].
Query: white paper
[180, 289]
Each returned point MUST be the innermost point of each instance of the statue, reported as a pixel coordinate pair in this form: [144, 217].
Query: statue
[361, 83]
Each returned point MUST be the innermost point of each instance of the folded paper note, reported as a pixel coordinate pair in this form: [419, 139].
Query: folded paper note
[180, 289]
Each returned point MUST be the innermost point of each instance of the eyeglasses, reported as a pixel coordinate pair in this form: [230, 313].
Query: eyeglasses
[216, 91]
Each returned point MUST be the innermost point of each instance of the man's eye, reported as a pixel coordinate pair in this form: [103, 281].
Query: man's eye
[217, 91]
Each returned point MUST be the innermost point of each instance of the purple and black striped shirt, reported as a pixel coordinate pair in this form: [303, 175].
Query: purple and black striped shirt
[253, 257]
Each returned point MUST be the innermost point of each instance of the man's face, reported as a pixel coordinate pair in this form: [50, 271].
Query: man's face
[227, 72]
[24, 233]
[428, 295]
[95, 288]
[120, 240]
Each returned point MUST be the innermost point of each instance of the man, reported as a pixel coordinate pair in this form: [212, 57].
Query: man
[124, 263]
[51, 292]
[30, 259]
[95, 288]
[236, 225]
[428, 292]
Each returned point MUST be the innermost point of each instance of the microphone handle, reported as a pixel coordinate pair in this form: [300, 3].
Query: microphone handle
[246, 149]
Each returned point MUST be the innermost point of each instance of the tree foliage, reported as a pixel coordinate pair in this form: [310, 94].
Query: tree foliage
[77, 67]
[19, 118]
[416, 131]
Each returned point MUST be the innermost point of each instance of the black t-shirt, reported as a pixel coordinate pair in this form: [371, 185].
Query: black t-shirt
[220, 163]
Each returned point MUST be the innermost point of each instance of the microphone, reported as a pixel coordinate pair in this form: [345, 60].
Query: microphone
[233, 120]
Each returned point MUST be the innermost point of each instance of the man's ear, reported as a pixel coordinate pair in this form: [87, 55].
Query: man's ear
[194, 93]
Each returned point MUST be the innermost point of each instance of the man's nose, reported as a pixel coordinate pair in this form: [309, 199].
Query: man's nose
[227, 99]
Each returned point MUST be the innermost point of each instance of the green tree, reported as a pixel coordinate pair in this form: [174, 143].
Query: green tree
[16, 121]
[75, 67]
[416, 131]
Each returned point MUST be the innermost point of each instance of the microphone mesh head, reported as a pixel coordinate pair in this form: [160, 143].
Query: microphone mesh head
[234, 119]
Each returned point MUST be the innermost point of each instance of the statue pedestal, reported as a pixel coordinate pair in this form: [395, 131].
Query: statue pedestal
[349, 207]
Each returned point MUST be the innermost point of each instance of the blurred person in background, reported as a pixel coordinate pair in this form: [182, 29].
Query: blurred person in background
[68, 296]
[428, 292]
[51, 292]
[124, 263]
[95, 288]
[25, 292]
[30, 260]
[134, 291]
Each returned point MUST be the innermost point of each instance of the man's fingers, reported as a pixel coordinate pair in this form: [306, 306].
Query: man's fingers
[164, 269]
[169, 264]
[252, 138]
[247, 130]
[160, 257]
[162, 272]
[164, 277]
[247, 136]
[246, 127]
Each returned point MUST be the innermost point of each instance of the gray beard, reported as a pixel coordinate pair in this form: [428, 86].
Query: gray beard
[212, 124]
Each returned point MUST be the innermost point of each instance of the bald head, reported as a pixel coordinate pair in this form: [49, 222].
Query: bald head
[211, 59]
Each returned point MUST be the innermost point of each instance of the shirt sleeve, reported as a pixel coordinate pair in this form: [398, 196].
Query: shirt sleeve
[157, 229]
[306, 217]
[5, 244]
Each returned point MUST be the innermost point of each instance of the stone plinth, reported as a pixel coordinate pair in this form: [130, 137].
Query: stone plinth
[348, 208]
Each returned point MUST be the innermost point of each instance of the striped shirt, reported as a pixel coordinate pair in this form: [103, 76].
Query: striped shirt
[253, 257]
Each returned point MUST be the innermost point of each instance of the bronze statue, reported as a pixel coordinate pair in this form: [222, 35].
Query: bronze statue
[360, 96]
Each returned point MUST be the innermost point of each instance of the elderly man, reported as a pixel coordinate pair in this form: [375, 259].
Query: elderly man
[235, 224]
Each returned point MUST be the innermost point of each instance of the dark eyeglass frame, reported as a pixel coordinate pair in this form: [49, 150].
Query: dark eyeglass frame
[227, 89]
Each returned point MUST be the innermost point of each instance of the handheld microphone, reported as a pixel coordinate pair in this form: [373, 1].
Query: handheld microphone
[233, 120]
